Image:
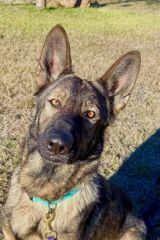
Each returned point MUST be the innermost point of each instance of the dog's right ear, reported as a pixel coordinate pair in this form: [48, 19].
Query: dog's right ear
[55, 58]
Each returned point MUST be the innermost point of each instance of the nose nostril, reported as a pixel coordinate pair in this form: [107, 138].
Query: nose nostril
[61, 149]
[57, 147]
[50, 145]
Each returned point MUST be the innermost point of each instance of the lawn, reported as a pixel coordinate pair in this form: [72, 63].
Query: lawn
[98, 36]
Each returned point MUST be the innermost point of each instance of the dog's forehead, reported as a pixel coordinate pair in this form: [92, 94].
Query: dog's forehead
[73, 86]
[65, 87]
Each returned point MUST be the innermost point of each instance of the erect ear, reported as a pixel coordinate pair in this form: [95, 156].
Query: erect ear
[119, 80]
[55, 58]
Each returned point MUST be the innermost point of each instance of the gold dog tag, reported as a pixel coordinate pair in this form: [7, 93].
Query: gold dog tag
[49, 233]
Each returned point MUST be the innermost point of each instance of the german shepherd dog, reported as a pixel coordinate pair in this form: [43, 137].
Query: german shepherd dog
[60, 156]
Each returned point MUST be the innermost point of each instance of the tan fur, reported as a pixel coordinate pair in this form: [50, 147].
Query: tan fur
[133, 228]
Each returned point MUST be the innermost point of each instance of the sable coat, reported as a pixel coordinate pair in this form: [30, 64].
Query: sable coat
[62, 149]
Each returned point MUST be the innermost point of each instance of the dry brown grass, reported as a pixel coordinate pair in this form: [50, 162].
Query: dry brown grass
[98, 37]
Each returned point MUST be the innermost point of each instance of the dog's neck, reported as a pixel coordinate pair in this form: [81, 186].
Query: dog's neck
[54, 203]
[39, 179]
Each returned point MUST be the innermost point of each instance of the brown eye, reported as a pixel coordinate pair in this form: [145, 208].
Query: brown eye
[55, 102]
[90, 114]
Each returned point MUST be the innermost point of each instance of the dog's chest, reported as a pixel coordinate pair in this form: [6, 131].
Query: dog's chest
[65, 223]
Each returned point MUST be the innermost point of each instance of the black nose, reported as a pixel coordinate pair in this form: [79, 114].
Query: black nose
[60, 143]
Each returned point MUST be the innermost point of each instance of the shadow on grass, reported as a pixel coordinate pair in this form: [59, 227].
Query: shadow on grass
[97, 4]
[139, 177]
[124, 3]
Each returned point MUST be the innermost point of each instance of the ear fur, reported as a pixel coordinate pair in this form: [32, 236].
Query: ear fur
[120, 79]
[55, 57]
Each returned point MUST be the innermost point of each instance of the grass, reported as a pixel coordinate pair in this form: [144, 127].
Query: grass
[27, 21]
[98, 36]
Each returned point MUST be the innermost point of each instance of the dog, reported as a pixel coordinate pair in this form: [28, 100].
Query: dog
[56, 192]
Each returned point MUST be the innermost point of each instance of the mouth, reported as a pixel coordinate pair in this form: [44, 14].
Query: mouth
[57, 159]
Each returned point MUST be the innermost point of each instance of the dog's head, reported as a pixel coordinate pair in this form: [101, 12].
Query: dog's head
[72, 113]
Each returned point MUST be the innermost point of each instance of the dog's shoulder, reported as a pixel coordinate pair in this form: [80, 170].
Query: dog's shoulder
[111, 204]
[15, 191]
[108, 192]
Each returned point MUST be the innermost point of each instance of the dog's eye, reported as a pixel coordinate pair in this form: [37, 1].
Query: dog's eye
[90, 114]
[55, 102]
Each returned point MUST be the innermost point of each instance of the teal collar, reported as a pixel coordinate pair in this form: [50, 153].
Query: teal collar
[67, 196]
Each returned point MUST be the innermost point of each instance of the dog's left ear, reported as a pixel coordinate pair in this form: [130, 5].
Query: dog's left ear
[55, 58]
[119, 80]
